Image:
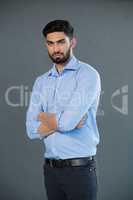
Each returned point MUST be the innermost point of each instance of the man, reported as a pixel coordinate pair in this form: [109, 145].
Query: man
[62, 113]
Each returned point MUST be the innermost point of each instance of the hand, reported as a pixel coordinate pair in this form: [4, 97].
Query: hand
[44, 130]
[82, 121]
[48, 119]
[42, 116]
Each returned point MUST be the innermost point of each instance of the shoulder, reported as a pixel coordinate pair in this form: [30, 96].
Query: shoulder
[39, 80]
[88, 71]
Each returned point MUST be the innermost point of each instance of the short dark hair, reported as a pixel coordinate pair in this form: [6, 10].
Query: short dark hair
[58, 26]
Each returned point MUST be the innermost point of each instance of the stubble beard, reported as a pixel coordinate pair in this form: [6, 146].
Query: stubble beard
[60, 58]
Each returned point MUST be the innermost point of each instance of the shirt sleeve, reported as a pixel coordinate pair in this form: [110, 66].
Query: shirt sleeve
[87, 91]
[35, 107]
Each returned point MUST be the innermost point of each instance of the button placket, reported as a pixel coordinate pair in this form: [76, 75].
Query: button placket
[55, 95]
[56, 91]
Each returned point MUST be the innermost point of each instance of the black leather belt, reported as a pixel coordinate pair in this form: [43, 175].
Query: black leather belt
[68, 162]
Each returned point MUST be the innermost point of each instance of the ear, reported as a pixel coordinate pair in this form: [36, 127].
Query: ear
[73, 42]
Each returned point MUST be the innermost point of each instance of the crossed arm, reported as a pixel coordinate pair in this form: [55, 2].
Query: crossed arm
[40, 124]
[49, 124]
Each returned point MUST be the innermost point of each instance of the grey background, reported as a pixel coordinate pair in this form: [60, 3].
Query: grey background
[105, 40]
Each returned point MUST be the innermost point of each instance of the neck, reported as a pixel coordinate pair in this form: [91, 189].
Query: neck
[60, 67]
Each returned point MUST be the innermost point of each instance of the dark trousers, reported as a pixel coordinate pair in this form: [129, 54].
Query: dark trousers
[71, 183]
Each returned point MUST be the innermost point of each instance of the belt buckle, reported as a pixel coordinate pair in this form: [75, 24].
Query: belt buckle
[56, 163]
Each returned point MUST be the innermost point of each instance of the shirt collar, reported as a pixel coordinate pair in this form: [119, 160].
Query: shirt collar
[71, 65]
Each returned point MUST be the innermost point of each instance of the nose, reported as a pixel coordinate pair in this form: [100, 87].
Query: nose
[56, 48]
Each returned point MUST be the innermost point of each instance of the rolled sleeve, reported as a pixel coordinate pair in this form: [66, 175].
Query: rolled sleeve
[32, 128]
[35, 107]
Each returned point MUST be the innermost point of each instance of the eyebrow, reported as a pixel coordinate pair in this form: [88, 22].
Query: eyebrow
[56, 41]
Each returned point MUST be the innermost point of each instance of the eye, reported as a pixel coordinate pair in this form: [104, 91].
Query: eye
[61, 42]
[49, 43]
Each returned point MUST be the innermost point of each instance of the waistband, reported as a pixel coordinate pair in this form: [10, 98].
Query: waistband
[68, 162]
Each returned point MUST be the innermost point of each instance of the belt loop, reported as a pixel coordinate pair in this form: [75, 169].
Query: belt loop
[51, 163]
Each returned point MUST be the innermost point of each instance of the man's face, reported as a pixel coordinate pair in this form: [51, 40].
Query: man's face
[59, 47]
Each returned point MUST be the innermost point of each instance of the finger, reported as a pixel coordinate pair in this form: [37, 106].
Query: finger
[80, 125]
[85, 116]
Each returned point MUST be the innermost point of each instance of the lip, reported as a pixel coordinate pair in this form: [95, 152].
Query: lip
[58, 54]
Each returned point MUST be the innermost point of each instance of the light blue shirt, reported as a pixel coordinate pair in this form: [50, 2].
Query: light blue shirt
[70, 94]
